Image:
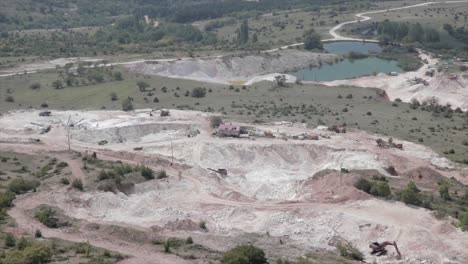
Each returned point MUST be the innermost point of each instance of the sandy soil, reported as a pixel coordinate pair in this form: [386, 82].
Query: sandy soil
[290, 189]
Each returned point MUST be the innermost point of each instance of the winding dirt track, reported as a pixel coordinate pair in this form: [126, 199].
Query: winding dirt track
[333, 32]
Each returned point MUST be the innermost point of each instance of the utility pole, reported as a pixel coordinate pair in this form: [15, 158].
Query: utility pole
[68, 133]
[172, 154]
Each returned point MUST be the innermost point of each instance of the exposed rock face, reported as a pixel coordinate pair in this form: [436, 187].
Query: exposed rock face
[234, 68]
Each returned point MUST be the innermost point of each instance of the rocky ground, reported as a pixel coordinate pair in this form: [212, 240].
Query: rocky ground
[276, 189]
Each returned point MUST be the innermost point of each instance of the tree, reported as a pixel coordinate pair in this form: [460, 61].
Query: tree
[127, 105]
[243, 32]
[10, 240]
[410, 195]
[118, 76]
[142, 85]
[113, 96]
[312, 40]
[254, 38]
[444, 192]
[147, 173]
[58, 84]
[35, 85]
[244, 254]
[10, 99]
[77, 184]
[215, 121]
[464, 221]
[47, 216]
[198, 92]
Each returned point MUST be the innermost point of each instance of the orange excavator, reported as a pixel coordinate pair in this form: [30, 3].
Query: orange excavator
[378, 249]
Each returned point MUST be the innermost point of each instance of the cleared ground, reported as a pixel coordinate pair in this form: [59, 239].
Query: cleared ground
[275, 189]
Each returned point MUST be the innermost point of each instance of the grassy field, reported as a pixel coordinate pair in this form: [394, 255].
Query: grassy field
[434, 16]
[313, 104]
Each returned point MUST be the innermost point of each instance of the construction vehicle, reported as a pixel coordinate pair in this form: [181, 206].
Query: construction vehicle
[219, 171]
[45, 113]
[378, 249]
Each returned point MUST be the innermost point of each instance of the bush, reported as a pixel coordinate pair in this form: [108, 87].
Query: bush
[162, 174]
[215, 121]
[38, 233]
[20, 185]
[198, 92]
[444, 192]
[202, 225]
[47, 216]
[380, 188]
[6, 199]
[58, 84]
[34, 254]
[113, 96]
[35, 85]
[189, 240]
[247, 254]
[411, 195]
[127, 105]
[347, 250]
[464, 221]
[147, 173]
[142, 86]
[77, 184]
[10, 99]
[363, 185]
[44, 105]
[10, 240]
[65, 181]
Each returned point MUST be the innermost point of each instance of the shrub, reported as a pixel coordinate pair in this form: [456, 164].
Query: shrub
[363, 185]
[215, 121]
[44, 105]
[198, 92]
[47, 216]
[20, 185]
[189, 240]
[77, 184]
[167, 247]
[165, 113]
[444, 192]
[162, 174]
[155, 100]
[22, 243]
[142, 85]
[127, 105]
[35, 85]
[58, 84]
[118, 76]
[10, 99]
[347, 250]
[464, 221]
[10, 240]
[6, 199]
[369, 113]
[113, 96]
[380, 188]
[202, 225]
[38, 233]
[65, 181]
[247, 254]
[34, 254]
[411, 195]
[147, 173]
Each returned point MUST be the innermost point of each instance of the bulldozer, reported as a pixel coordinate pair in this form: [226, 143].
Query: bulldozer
[378, 249]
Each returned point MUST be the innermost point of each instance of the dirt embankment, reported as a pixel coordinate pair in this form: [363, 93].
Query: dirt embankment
[233, 68]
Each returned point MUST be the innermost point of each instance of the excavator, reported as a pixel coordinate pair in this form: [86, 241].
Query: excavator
[378, 249]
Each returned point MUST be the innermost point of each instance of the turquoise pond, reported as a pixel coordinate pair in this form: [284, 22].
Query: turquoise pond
[347, 69]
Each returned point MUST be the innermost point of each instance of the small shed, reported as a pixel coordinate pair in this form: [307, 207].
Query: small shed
[229, 130]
